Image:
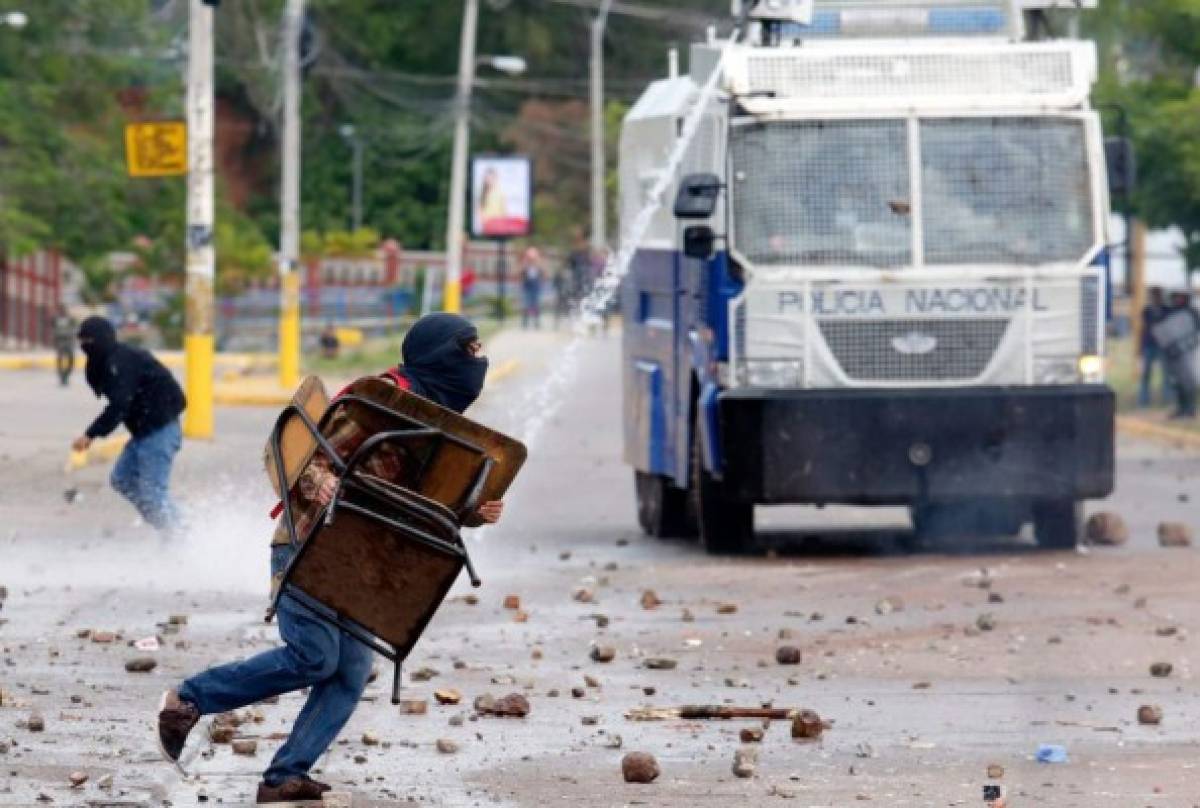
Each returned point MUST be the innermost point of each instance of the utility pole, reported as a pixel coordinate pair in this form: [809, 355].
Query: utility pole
[201, 253]
[289, 219]
[599, 203]
[452, 291]
[358, 184]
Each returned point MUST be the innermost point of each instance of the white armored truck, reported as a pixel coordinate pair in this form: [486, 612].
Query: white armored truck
[883, 280]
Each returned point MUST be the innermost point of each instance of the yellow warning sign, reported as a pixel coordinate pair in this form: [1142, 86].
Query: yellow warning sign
[156, 148]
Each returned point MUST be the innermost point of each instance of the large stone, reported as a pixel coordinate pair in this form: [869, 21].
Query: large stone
[787, 655]
[602, 653]
[1161, 670]
[745, 761]
[1150, 714]
[142, 664]
[1174, 534]
[639, 767]
[807, 724]
[245, 746]
[650, 599]
[1107, 529]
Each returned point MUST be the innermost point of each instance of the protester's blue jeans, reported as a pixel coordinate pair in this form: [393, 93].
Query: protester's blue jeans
[1152, 355]
[142, 474]
[315, 654]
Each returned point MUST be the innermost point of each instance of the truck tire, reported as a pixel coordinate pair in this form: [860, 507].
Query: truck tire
[1058, 524]
[661, 507]
[726, 527]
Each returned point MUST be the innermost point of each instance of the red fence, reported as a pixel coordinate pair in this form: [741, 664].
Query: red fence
[30, 291]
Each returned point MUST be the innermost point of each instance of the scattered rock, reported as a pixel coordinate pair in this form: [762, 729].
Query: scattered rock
[650, 599]
[447, 696]
[687, 616]
[995, 771]
[78, 779]
[105, 782]
[513, 705]
[142, 664]
[177, 619]
[1166, 631]
[660, 663]
[35, 723]
[985, 621]
[578, 692]
[602, 653]
[1106, 529]
[471, 599]
[589, 720]
[512, 602]
[727, 608]
[639, 767]
[413, 706]
[1174, 534]
[745, 761]
[807, 724]
[103, 637]
[889, 605]
[423, 674]
[922, 685]
[521, 617]
[446, 746]
[221, 733]
[590, 681]
[787, 655]
[584, 595]
[1161, 670]
[245, 746]
[613, 742]
[751, 735]
[370, 739]
[1150, 714]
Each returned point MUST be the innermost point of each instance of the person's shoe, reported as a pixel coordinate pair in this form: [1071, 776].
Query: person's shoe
[296, 792]
[176, 718]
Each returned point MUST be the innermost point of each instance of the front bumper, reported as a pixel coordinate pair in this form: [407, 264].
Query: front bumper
[856, 446]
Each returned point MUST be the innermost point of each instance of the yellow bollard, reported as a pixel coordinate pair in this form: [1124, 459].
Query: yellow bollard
[289, 331]
[452, 296]
[198, 385]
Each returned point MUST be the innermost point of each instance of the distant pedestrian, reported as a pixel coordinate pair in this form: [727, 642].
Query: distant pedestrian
[330, 344]
[1150, 352]
[1178, 334]
[562, 296]
[532, 277]
[143, 395]
[579, 265]
[63, 328]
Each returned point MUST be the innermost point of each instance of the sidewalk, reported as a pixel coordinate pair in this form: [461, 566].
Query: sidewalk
[1156, 426]
[44, 360]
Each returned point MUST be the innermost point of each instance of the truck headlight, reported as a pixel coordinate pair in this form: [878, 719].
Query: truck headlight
[1091, 369]
[776, 373]
[1056, 370]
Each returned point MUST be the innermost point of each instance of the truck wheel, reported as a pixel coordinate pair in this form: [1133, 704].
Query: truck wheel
[726, 527]
[1057, 524]
[662, 508]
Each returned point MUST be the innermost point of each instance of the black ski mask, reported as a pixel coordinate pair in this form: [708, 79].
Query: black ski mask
[439, 364]
[98, 340]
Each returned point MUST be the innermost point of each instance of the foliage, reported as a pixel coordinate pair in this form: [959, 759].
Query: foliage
[359, 243]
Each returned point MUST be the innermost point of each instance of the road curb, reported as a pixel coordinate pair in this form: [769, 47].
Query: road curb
[1141, 428]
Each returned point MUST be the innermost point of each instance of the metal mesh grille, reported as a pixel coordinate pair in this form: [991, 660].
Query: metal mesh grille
[831, 193]
[1089, 314]
[867, 75]
[913, 350]
[1005, 190]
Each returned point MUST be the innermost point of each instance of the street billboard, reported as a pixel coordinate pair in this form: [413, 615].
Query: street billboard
[501, 196]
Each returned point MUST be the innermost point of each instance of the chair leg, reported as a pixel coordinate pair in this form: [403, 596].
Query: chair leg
[397, 677]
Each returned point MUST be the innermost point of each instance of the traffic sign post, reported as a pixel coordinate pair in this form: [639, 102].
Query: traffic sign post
[156, 148]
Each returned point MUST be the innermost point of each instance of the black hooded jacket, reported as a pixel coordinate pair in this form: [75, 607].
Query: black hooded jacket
[141, 393]
[438, 364]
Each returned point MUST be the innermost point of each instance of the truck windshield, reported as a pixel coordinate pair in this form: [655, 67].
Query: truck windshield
[838, 193]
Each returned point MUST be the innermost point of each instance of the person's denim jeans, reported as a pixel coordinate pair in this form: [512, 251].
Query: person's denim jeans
[142, 474]
[315, 654]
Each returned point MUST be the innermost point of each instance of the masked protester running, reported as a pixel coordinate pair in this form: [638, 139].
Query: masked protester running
[442, 361]
[144, 396]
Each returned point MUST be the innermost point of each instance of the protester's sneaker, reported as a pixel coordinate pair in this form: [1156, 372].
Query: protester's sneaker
[175, 720]
[296, 792]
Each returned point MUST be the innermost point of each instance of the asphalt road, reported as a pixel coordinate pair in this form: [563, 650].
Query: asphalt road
[920, 701]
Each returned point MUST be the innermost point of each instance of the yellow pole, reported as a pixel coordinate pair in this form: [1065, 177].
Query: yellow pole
[289, 330]
[452, 296]
[201, 252]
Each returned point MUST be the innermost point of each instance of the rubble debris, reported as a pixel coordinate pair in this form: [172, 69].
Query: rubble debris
[660, 663]
[142, 664]
[650, 599]
[589, 720]
[221, 733]
[471, 599]
[745, 761]
[1106, 529]
[177, 619]
[602, 653]
[1161, 670]
[521, 617]
[514, 705]
[446, 746]
[150, 643]
[701, 712]
[413, 706]
[245, 746]
[78, 779]
[584, 595]
[512, 602]
[787, 655]
[447, 696]
[1051, 753]
[889, 605]
[727, 608]
[687, 616]
[985, 621]
[613, 742]
[35, 723]
[370, 738]
[105, 782]
[423, 674]
[1174, 534]
[1150, 714]
[590, 681]
[751, 735]
[639, 767]
[807, 724]
[1166, 631]
[995, 771]
[103, 637]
